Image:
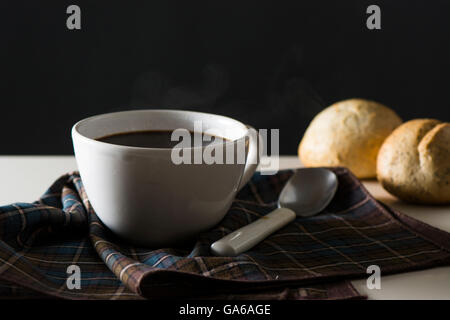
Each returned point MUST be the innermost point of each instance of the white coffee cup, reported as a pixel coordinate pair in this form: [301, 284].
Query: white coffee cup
[140, 194]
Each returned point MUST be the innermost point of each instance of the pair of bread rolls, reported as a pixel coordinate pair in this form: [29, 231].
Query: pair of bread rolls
[411, 160]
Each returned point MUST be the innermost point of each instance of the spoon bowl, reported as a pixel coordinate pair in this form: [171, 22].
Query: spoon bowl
[308, 191]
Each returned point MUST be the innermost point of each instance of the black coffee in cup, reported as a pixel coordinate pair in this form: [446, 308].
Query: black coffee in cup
[154, 139]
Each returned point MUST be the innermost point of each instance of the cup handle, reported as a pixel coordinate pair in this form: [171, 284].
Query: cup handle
[252, 156]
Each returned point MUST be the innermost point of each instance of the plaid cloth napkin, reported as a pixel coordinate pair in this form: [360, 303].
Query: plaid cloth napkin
[311, 258]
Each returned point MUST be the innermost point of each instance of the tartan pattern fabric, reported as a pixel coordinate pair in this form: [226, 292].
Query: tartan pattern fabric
[311, 258]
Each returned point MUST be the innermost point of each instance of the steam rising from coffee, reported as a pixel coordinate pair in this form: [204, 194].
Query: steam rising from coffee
[265, 97]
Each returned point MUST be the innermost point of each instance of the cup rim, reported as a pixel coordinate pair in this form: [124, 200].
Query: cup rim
[77, 134]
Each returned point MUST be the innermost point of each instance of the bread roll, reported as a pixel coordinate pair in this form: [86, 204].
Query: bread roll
[348, 133]
[414, 162]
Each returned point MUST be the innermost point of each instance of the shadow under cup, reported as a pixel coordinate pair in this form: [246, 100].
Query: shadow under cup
[140, 193]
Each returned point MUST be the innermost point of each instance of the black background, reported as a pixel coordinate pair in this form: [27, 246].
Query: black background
[272, 64]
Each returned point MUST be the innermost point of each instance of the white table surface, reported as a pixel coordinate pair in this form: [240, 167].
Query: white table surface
[25, 178]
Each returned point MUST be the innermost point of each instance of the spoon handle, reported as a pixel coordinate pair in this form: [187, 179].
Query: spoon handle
[246, 237]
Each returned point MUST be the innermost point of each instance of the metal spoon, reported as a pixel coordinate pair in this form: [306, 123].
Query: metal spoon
[306, 193]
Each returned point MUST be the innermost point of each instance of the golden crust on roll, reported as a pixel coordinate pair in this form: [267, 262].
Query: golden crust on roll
[348, 133]
[414, 162]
